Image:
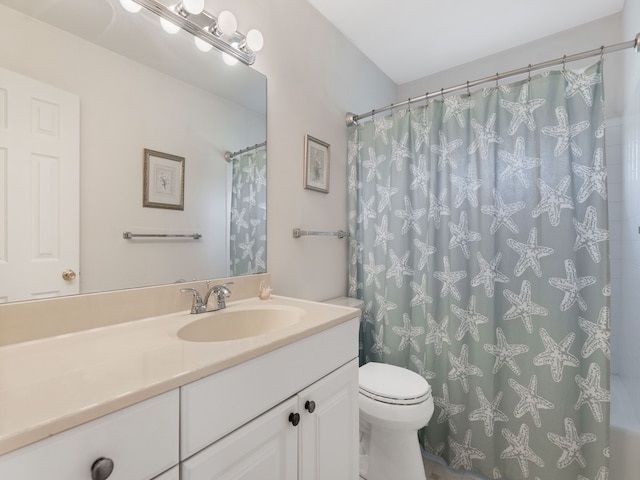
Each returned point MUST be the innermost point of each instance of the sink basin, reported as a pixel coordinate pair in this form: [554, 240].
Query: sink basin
[237, 323]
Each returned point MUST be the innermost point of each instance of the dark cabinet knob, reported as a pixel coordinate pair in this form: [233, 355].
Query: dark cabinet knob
[294, 418]
[310, 405]
[101, 468]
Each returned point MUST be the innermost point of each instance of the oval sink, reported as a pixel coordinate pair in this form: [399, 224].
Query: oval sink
[234, 324]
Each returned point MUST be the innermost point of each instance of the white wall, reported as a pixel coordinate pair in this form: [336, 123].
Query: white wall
[126, 107]
[589, 36]
[314, 77]
[627, 332]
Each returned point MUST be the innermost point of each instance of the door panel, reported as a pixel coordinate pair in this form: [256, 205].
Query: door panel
[39, 178]
[329, 434]
[264, 449]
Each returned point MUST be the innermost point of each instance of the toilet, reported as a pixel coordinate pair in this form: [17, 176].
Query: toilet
[394, 404]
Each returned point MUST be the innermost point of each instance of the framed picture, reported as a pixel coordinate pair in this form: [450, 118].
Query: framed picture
[316, 164]
[163, 181]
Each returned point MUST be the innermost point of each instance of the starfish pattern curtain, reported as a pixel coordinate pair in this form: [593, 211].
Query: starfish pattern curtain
[248, 226]
[479, 244]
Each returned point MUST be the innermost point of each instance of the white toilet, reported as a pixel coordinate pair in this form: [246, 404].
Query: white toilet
[394, 404]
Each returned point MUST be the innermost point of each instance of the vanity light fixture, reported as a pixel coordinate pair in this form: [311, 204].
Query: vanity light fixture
[130, 6]
[208, 31]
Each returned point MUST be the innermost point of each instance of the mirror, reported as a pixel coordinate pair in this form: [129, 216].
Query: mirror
[138, 88]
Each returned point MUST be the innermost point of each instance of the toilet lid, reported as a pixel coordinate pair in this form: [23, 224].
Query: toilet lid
[390, 384]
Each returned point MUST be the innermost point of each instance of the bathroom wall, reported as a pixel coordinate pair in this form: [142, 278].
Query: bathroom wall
[121, 115]
[314, 77]
[605, 31]
[627, 330]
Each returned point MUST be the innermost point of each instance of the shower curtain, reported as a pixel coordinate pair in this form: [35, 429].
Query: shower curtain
[248, 225]
[479, 245]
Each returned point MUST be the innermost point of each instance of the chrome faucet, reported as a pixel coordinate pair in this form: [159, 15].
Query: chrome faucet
[221, 292]
[199, 304]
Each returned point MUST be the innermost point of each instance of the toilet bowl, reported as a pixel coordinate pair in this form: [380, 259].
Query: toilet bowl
[394, 404]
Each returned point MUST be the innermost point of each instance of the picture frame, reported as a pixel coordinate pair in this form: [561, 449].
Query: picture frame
[163, 180]
[316, 164]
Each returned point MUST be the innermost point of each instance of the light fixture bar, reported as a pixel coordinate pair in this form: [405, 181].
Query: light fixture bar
[246, 57]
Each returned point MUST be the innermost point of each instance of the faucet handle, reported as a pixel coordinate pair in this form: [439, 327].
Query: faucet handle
[220, 292]
[197, 305]
[196, 293]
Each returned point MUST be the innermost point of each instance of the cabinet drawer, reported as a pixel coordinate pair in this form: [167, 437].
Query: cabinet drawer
[216, 405]
[142, 441]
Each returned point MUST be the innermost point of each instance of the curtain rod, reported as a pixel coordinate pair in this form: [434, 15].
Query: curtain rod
[352, 119]
[228, 156]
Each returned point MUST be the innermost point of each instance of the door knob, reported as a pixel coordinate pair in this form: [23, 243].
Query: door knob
[294, 418]
[69, 275]
[101, 468]
[310, 405]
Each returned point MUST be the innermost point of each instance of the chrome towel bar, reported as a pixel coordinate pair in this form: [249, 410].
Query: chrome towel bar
[129, 235]
[297, 233]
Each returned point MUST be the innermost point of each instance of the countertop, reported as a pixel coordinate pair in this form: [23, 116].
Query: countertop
[53, 384]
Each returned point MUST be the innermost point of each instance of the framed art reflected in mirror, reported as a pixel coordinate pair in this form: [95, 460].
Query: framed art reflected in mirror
[163, 181]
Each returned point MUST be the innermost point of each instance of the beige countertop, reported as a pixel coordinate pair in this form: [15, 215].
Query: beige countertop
[52, 384]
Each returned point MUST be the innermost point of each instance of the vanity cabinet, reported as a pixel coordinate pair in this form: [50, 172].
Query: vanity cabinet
[141, 441]
[311, 436]
[315, 378]
[288, 413]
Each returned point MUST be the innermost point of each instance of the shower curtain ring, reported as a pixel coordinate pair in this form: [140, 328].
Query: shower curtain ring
[601, 52]
[442, 93]
[529, 76]
[564, 66]
[497, 78]
[468, 91]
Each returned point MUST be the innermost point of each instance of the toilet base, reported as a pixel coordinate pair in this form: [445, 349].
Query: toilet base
[387, 454]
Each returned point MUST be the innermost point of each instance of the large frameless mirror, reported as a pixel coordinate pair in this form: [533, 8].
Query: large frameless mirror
[91, 82]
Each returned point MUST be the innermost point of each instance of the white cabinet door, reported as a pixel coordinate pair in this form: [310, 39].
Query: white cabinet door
[329, 426]
[264, 449]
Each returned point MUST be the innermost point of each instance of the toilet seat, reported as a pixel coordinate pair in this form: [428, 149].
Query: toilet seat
[393, 385]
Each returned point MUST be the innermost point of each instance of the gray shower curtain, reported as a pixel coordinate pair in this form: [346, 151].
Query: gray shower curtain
[479, 245]
[248, 226]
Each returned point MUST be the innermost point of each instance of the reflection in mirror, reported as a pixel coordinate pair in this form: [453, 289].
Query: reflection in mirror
[248, 238]
[121, 85]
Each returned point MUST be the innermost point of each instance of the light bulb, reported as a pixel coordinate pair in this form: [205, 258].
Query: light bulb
[194, 7]
[130, 6]
[254, 39]
[169, 27]
[228, 59]
[202, 45]
[227, 23]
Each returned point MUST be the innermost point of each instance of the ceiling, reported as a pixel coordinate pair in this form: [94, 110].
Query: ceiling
[411, 39]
